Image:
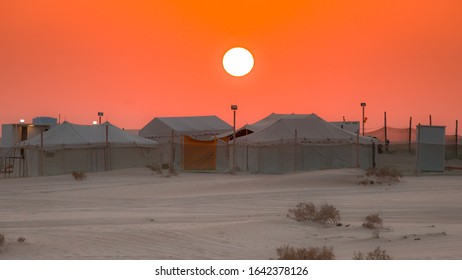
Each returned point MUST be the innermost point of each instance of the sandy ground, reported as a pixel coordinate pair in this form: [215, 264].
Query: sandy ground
[137, 214]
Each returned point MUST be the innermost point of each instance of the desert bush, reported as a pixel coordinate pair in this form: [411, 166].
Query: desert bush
[327, 214]
[377, 254]
[388, 172]
[79, 175]
[383, 175]
[21, 239]
[303, 212]
[287, 252]
[155, 168]
[2, 239]
[373, 221]
[308, 212]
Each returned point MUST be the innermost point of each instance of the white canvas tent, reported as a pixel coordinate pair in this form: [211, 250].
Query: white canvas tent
[160, 128]
[261, 124]
[191, 139]
[300, 142]
[70, 147]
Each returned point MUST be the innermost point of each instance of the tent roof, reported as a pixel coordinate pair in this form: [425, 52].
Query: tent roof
[68, 135]
[262, 124]
[185, 125]
[271, 119]
[310, 128]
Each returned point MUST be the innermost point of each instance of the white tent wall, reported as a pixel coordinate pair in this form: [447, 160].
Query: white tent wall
[286, 158]
[65, 161]
[222, 160]
[70, 147]
[120, 158]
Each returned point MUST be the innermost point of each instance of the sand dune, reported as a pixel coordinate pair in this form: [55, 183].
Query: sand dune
[135, 214]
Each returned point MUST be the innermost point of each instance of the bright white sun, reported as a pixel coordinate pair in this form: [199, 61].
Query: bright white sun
[238, 62]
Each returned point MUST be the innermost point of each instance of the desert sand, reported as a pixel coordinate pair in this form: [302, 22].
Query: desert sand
[139, 214]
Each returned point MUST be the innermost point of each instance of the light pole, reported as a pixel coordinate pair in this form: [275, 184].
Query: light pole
[100, 114]
[363, 104]
[234, 108]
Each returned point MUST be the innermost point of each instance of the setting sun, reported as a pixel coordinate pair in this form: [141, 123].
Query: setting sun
[238, 62]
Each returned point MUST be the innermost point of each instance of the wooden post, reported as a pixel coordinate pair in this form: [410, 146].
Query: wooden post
[234, 142]
[106, 150]
[41, 153]
[430, 119]
[363, 119]
[385, 125]
[457, 135]
[357, 149]
[182, 151]
[410, 133]
[295, 150]
[172, 153]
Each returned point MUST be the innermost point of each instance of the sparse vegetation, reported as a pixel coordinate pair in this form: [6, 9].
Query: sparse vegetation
[380, 176]
[2, 239]
[377, 254]
[21, 239]
[303, 212]
[327, 214]
[373, 221]
[287, 252]
[79, 175]
[155, 168]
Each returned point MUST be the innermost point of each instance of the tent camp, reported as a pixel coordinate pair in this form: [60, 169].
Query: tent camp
[70, 147]
[288, 143]
[189, 142]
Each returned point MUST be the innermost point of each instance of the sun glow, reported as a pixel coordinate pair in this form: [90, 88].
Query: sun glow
[238, 62]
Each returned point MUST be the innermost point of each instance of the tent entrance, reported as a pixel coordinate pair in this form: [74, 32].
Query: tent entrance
[199, 155]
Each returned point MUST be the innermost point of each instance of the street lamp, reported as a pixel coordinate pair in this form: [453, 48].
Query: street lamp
[234, 108]
[363, 104]
[100, 114]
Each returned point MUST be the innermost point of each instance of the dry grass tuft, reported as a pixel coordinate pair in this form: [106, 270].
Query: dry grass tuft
[377, 254]
[327, 214]
[21, 239]
[2, 239]
[373, 221]
[287, 252]
[79, 175]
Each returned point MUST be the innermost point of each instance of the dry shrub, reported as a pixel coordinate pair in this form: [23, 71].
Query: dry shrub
[366, 181]
[383, 175]
[327, 214]
[373, 221]
[303, 212]
[79, 175]
[308, 212]
[21, 239]
[377, 254]
[155, 168]
[287, 252]
[2, 239]
[388, 172]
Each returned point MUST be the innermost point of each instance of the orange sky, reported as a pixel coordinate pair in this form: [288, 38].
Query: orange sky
[135, 60]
